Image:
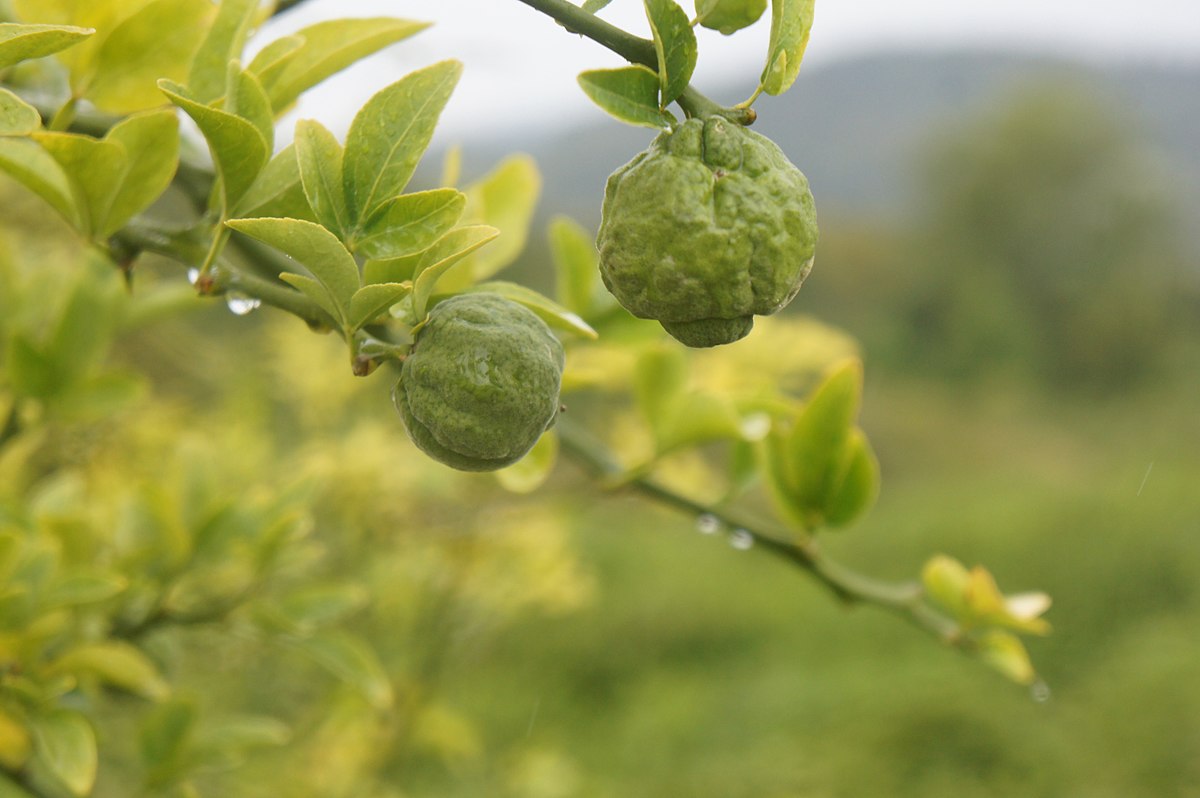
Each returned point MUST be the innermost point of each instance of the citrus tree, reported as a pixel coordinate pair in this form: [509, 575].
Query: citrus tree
[151, 543]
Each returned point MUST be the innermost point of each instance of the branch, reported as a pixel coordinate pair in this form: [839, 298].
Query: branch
[905, 598]
[635, 50]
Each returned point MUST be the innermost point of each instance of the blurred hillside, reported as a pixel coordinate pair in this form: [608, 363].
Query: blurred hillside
[855, 127]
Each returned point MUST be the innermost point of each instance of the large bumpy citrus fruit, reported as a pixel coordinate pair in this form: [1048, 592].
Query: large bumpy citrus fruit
[481, 383]
[707, 228]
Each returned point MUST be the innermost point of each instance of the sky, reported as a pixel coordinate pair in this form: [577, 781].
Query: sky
[520, 67]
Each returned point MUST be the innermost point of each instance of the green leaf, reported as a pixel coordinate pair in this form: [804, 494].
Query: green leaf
[95, 167]
[81, 588]
[372, 301]
[328, 48]
[37, 170]
[274, 58]
[278, 192]
[389, 135]
[549, 311]
[17, 117]
[659, 378]
[697, 418]
[630, 94]
[592, 6]
[505, 198]
[118, 664]
[410, 223]
[1006, 653]
[353, 661]
[223, 43]
[859, 485]
[66, 746]
[531, 471]
[729, 16]
[319, 159]
[238, 149]
[816, 446]
[675, 46]
[791, 24]
[313, 607]
[245, 97]
[164, 735]
[23, 42]
[151, 143]
[313, 247]
[316, 292]
[576, 264]
[157, 42]
[430, 265]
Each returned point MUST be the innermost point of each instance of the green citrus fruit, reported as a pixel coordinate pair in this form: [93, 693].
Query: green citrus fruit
[707, 228]
[481, 383]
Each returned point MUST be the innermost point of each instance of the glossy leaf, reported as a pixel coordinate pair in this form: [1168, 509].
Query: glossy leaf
[431, 264]
[372, 301]
[316, 292]
[816, 446]
[389, 135]
[244, 96]
[278, 192]
[791, 24]
[313, 247]
[23, 42]
[151, 143]
[531, 471]
[38, 171]
[630, 94]
[504, 198]
[410, 223]
[156, 43]
[223, 43]
[350, 659]
[328, 48]
[17, 117]
[95, 167]
[117, 664]
[101, 16]
[728, 16]
[238, 149]
[675, 46]
[592, 6]
[319, 157]
[66, 746]
[273, 59]
[576, 265]
[858, 487]
[549, 311]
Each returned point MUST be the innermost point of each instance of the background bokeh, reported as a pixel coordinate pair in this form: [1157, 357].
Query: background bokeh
[1009, 234]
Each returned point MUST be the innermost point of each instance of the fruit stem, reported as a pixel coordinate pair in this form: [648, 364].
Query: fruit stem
[634, 49]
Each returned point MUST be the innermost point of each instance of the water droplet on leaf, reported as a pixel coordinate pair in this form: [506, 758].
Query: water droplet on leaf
[1039, 691]
[240, 304]
[741, 540]
[193, 275]
[708, 524]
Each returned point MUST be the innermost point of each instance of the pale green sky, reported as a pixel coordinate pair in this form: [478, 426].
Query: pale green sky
[521, 67]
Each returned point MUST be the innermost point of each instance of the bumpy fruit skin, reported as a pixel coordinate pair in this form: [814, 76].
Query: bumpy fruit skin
[481, 383]
[707, 228]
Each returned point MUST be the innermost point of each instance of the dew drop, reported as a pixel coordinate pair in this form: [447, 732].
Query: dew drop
[741, 540]
[193, 275]
[1039, 691]
[240, 304]
[708, 524]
